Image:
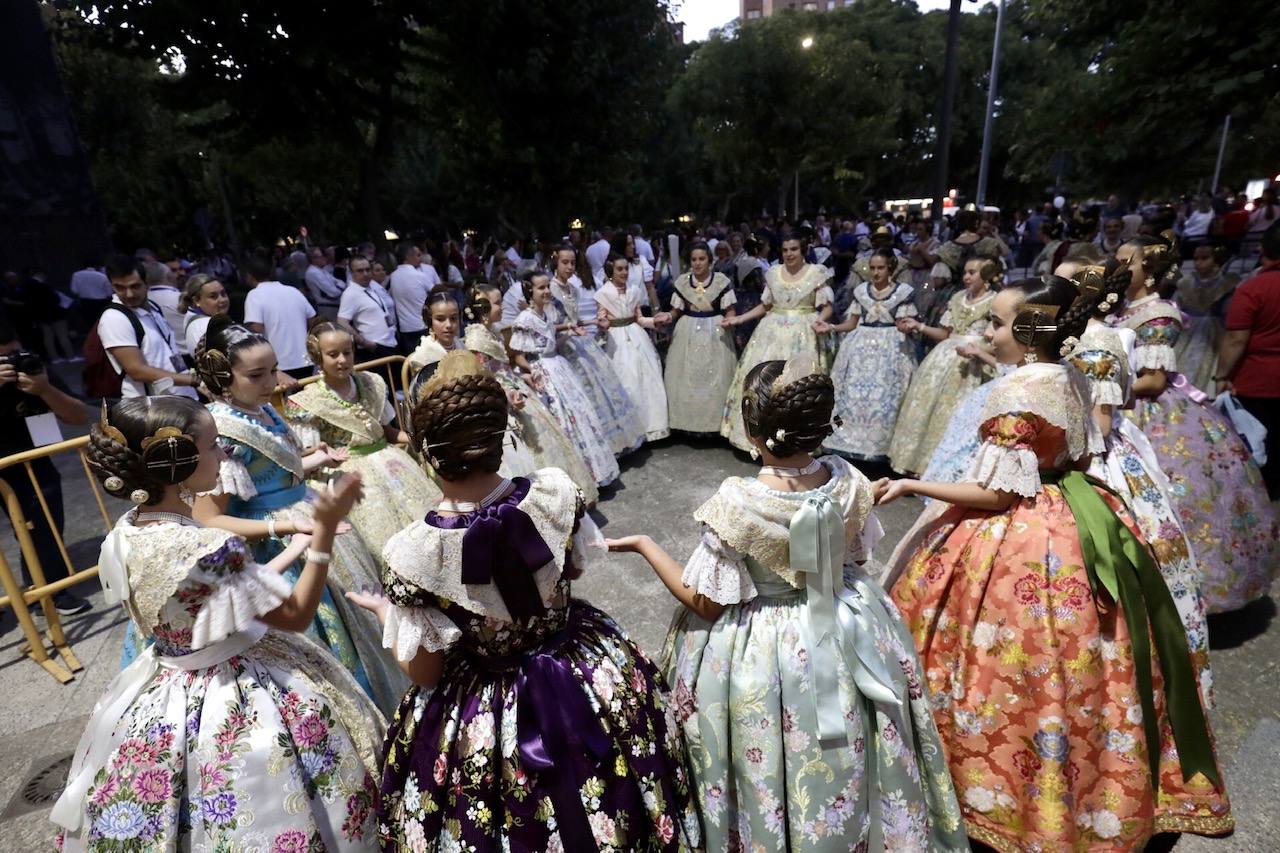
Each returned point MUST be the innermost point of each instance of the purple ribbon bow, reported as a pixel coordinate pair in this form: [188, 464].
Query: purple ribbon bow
[502, 545]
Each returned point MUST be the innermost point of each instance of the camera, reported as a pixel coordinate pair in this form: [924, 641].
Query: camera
[24, 361]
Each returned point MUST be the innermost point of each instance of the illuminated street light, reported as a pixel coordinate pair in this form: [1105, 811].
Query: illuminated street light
[806, 42]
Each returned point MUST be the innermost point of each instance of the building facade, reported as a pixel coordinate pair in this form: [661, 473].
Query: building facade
[751, 10]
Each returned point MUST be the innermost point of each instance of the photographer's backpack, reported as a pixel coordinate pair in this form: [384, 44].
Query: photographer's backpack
[100, 378]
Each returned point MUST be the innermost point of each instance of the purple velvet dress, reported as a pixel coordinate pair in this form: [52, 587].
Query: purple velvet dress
[549, 729]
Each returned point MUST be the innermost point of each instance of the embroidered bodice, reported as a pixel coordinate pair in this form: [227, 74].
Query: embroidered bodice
[810, 289]
[261, 459]
[189, 586]
[434, 608]
[1039, 417]
[563, 294]
[963, 317]
[715, 295]
[317, 413]
[1157, 323]
[534, 334]
[621, 306]
[882, 310]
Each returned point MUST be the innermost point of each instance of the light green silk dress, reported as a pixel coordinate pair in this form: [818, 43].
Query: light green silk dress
[803, 706]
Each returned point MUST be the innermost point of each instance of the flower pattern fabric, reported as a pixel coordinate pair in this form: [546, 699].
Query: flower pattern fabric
[942, 380]
[271, 749]
[1215, 486]
[871, 372]
[1032, 680]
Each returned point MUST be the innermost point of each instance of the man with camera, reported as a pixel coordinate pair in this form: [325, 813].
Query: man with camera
[31, 402]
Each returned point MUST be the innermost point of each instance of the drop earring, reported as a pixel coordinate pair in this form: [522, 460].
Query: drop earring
[1030, 357]
[185, 495]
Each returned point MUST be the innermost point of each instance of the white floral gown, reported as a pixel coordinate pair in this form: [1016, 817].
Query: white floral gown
[807, 724]
[225, 735]
[871, 372]
[535, 335]
[942, 380]
[634, 358]
[786, 330]
[701, 359]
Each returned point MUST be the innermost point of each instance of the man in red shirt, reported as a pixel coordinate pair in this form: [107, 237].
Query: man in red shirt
[1249, 359]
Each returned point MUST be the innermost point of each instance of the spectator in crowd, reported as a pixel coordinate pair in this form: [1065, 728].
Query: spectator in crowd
[47, 308]
[410, 284]
[281, 313]
[1196, 225]
[598, 251]
[1235, 224]
[165, 294]
[643, 247]
[155, 367]
[29, 397]
[1034, 240]
[1249, 359]
[325, 290]
[294, 271]
[369, 311]
[1112, 235]
[1266, 211]
[203, 298]
[90, 286]
[1115, 209]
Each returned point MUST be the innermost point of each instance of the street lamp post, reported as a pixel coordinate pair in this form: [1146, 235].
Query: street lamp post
[988, 123]
[944, 119]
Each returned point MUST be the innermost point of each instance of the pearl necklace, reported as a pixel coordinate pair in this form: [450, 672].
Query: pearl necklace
[776, 471]
[472, 506]
[172, 517]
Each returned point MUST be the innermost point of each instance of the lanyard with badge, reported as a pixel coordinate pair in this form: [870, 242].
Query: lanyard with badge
[386, 315]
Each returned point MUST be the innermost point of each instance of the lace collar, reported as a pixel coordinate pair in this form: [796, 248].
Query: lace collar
[1057, 393]
[480, 338]
[358, 417]
[695, 295]
[278, 445]
[811, 277]
[755, 520]
[430, 556]
[1144, 310]
[429, 351]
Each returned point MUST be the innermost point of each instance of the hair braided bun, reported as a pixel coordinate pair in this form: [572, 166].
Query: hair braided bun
[478, 306]
[795, 418]
[462, 418]
[122, 465]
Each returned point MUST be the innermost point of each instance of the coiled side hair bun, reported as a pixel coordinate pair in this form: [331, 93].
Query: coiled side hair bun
[166, 425]
[461, 419]
[795, 418]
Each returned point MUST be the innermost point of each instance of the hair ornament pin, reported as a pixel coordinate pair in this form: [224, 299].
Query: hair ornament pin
[113, 484]
[1068, 344]
[1110, 300]
[108, 430]
[781, 435]
[139, 496]
[769, 444]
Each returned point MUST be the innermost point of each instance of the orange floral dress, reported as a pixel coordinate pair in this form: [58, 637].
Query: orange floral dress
[1033, 682]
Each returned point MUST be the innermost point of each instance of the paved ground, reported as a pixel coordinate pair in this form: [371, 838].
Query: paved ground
[40, 720]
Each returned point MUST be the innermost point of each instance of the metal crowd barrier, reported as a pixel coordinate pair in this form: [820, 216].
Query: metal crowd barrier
[50, 648]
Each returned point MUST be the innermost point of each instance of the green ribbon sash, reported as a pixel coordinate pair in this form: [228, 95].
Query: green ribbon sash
[1122, 566]
[366, 449]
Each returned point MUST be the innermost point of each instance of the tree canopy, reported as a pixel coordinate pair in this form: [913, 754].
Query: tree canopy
[240, 122]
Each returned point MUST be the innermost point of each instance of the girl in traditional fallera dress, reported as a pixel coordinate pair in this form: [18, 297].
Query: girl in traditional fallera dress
[535, 342]
[534, 723]
[629, 348]
[945, 376]
[349, 410]
[616, 411]
[1216, 488]
[701, 359]
[795, 681]
[443, 321]
[1038, 609]
[795, 295]
[1203, 297]
[261, 495]
[534, 438]
[875, 361]
[232, 732]
[1128, 464]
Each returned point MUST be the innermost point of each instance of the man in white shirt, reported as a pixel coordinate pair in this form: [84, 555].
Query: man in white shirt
[92, 288]
[409, 286]
[164, 293]
[597, 252]
[155, 366]
[367, 308]
[281, 313]
[643, 247]
[325, 290]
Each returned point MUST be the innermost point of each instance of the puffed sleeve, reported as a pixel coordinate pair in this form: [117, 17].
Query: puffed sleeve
[523, 338]
[728, 299]
[388, 413]
[414, 621]
[855, 308]
[1102, 370]
[677, 302]
[718, 572]
[242, 591]
[233, 471]
[907, 307]
[945, 320]
[864, 544]
[302, 424]
[766, 295]
[1154, 347]
[1006, 460]
[823, 295]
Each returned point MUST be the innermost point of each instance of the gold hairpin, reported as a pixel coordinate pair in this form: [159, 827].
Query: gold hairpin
[105, 427]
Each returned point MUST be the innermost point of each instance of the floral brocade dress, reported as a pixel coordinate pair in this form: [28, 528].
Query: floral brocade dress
[1203, 303]
[786, 330]
[1215, 485]
[317, 414]
[562, 390]
[807, 725]
[942, 380]
[1052, 743]
[263, 474]
[1130, 468]
[548, 730]
[225, 734]
[534, 438]
[871, 372]
[701, 359]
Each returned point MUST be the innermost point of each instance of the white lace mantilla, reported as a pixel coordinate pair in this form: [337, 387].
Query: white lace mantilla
[411, 628]
[430, 558]
[1006, 469]
[752, 519]
[480, 338]
[1059, 394]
